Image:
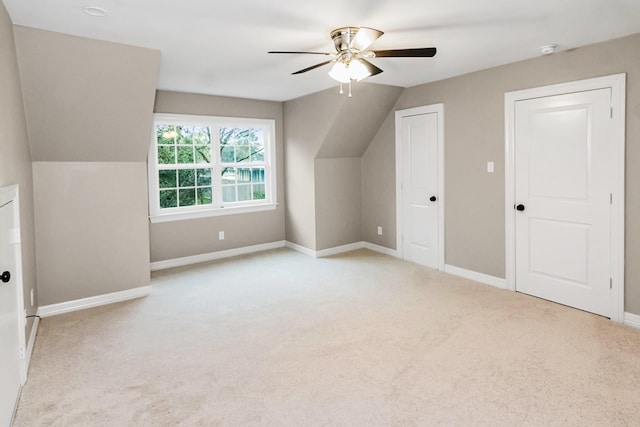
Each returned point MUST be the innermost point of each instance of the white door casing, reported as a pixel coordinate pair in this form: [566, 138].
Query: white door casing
[565, 167]
[420, 185]
[12, 340]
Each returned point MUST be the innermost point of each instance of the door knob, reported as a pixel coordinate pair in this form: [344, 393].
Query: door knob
[433, 198]
[5, 277]
[520, 207]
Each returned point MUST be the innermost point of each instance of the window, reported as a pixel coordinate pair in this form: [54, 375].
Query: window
[203, 166]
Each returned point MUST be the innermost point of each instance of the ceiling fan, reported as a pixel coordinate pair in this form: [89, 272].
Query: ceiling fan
[351, 60]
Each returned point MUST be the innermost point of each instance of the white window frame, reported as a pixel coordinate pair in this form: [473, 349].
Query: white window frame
[217, 207]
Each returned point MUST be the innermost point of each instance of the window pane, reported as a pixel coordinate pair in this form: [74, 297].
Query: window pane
[204, 177]
[244, 192]
[203, 153]
[243, 175]
[243, 154]
[186, 178]
[167, 178]
[229, 193]
[241, 136]
[258, 136]
[226, 153]
[166, 134]
[185, 135]
[185, 154]
[168, 198]
[227, 136]
[188, 197]
[257, 175]
[257, 153]
[201, 135]
[258, 192]
[229, 176]
[204, 196]
[166, 155]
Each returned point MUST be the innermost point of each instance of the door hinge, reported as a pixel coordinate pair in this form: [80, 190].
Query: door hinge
[610, 283]
[610, 198]
[611, 113]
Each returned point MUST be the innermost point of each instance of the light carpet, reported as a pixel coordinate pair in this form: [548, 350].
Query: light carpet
[360, 339]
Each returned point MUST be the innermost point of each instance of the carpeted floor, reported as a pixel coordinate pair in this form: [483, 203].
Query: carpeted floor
[361, 339]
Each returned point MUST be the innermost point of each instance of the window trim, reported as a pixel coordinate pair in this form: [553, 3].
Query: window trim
[157, 215]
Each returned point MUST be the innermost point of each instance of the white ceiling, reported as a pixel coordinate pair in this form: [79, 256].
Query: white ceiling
[220, 47]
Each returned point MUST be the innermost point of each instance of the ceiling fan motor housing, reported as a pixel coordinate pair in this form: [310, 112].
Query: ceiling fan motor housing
[342, 37]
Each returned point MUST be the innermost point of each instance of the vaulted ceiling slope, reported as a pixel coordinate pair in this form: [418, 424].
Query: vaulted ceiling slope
[358, 120]
[86, 100]
[221, 48]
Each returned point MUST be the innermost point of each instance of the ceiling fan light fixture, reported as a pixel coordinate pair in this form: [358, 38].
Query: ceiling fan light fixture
[344, 73]
[357, 70]
[340, 72]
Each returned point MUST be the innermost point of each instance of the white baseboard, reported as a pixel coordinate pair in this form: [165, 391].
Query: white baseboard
[478, 277]
[381, 249]
[342, 249]
[32, 341]
[211, 256]
[90, 302]
[632, 320]
[301, 249]
[181, 262]
[339, 249]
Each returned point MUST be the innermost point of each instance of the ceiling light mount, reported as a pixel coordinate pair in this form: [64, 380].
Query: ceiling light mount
[548, 49]
[95, 11]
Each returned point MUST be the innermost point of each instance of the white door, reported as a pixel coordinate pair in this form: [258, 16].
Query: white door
[564, 157]
[420, 188]
[10, 382]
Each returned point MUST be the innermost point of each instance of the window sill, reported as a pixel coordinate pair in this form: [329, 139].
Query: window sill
[179, 216]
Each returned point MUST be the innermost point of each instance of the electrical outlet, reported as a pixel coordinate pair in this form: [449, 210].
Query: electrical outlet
[490, 168]
[221, 235]
[379, 231]
[31, 297]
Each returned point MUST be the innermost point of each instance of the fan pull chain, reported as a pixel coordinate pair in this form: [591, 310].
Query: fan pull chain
[349, 88]
[341, 91]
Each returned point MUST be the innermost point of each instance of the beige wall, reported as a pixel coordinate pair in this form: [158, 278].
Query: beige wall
[15, 155]
[474, 134]
[338, 202]
[92, 234]
[379, 187]
[178, 239]
[89, 107]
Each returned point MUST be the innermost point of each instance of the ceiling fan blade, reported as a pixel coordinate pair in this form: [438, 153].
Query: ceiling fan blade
[421, 52]
[313, 67]
[370, 67]
[301, 53]
[364, 37]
